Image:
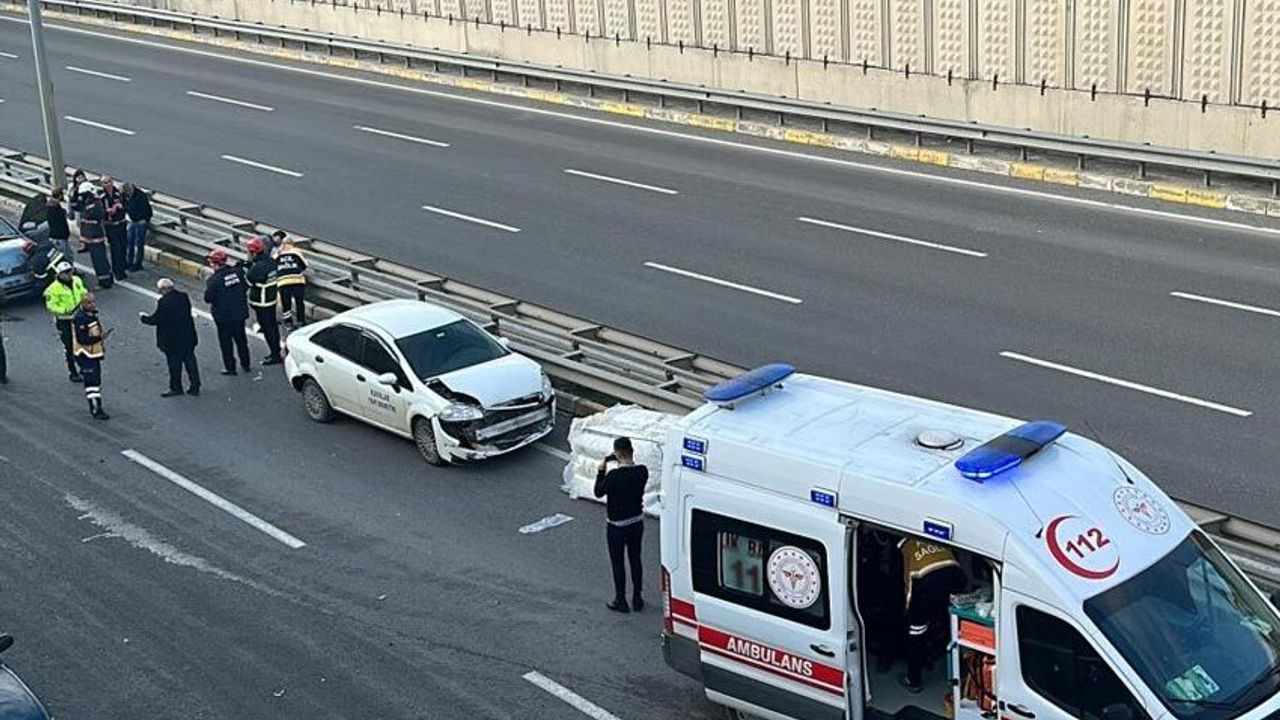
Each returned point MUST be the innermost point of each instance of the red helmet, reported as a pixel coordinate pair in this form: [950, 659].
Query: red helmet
[217, 257]
[255, 245]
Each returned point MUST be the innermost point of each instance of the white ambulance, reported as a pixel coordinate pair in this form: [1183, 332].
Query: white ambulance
[1087, 593]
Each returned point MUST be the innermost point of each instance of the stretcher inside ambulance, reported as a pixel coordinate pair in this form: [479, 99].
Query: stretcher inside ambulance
[823, 543]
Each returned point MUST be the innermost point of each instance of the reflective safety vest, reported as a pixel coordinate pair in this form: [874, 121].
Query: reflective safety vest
[87, 338]
[44, 266]
[64, 300]
[290, 267]
[920, 558]
[262, 283]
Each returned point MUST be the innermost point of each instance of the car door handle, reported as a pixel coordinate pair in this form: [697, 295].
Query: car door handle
[822, 650]
[319, 359]
[359, 377]
[1017, 710]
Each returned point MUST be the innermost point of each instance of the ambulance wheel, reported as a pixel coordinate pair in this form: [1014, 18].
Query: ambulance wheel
[316, 402]
[424, 436]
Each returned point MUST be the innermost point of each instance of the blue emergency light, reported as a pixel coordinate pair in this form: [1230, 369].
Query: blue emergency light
[1009, 450]
[693, 463]
[748, 383]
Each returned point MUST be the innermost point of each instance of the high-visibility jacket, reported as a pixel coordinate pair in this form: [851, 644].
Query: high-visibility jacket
[63, 300]
[921, 558]
[262, 282]
[290, 267]
[87, 338]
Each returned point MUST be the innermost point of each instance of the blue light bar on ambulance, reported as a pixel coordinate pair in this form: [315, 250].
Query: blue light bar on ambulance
[1009, 450]
[748, 383]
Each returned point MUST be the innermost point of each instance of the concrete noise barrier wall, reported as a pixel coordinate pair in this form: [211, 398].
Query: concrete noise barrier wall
[1194, 74]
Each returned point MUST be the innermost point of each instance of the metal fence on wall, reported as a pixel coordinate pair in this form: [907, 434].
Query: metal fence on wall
[1212, 51]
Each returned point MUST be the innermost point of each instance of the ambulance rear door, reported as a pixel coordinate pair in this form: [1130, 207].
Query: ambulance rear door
[770, 590]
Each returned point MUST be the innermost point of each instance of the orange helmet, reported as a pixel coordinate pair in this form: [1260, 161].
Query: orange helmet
[255, 245]
[217, 257]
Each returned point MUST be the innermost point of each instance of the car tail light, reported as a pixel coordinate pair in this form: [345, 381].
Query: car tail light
[668, 624]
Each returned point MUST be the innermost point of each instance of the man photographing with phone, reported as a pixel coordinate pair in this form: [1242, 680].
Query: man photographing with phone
[621, 482]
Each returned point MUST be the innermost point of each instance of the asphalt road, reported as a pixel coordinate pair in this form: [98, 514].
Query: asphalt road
[413, 597]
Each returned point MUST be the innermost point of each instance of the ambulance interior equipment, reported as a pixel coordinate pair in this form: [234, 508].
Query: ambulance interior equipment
[1086, 592]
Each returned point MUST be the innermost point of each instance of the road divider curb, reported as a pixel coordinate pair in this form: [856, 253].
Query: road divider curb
[1036, 172]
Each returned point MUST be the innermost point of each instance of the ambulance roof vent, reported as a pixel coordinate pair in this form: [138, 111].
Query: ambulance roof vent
[939, 440]
[749, 384]
[1008, 450]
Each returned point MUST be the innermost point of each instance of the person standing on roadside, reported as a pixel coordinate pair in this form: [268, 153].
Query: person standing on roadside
[62, 298]
[75, 194]
[262, 297]
[93, 233]
[138, 207]
[59, 228]
[175, 336]
[226, 292]
[117, 234]
[291, 277]
[623, 490]
[91, 348]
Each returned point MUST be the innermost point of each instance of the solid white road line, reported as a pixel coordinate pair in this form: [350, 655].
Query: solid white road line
[8, 56]
[96, 73]
[214, 499]
[620, 181]
[262, 166]
[100, 126]
[469, 218]
[1126, 384]
[400, 136]
[604, 122]
[1226, 303]
[554, 452]
[896, 238]
[230, 101]
[724, 283]
[587, 707]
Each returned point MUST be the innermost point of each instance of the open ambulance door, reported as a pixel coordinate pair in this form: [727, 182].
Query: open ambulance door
[772, 606]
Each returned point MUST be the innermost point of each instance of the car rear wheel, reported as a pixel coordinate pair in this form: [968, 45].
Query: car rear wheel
[316, 402]
[424, 436]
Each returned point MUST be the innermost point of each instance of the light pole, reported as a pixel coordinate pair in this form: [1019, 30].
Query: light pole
[57, 175]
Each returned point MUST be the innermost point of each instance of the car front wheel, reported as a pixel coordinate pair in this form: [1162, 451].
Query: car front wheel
[424, 436]
[316, 402]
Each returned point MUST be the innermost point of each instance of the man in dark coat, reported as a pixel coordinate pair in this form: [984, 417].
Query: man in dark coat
[114, 224]
[175, 336]
[227, 292]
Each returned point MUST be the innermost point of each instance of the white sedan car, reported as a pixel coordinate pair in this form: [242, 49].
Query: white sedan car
[425, 373]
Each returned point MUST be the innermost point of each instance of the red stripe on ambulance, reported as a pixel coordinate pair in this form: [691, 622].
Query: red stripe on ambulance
[771, 659]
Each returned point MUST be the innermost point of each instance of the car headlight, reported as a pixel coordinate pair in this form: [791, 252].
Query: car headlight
[458, 412]
[547, 390]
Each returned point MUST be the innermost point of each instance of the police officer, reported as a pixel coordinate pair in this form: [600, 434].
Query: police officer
[226, 292]
[90, 349]
[62, 298]
[292, 281]
[262, 297]
[930, 574]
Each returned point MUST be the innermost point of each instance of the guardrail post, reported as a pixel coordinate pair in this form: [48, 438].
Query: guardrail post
[1142, 170]
[1208, 178]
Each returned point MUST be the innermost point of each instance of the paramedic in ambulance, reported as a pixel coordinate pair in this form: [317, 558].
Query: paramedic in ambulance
[623, 490]
[931, 574]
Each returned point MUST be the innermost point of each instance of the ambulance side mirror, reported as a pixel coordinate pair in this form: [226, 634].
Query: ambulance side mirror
[1117, 711]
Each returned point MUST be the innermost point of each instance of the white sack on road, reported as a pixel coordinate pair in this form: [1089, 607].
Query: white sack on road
[591, 439]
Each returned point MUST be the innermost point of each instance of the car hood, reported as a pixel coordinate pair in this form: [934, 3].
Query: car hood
[497, 381]
[12, 255]
[16, 701]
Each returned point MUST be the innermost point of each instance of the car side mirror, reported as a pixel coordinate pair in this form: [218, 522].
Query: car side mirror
[388, 379]
[6, 642]
[1117, 711]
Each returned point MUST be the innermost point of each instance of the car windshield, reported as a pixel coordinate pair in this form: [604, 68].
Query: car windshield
[447, 348]
[1196, 632]
[7, 230]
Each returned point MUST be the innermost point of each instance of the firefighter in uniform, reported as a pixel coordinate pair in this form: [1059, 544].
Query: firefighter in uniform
[62, 298]
[261, 275]
[930, 574]
[45, 259]
[90, 349]
[227, 295]
[292, 281]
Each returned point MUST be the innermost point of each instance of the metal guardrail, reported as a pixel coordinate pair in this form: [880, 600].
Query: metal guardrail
[604, 360]
[734, 104]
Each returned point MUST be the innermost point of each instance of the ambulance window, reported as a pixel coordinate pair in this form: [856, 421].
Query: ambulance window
[731, 560]
[1063, 668]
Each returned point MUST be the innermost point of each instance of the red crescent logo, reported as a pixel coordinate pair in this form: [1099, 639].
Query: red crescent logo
[1051, 538]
